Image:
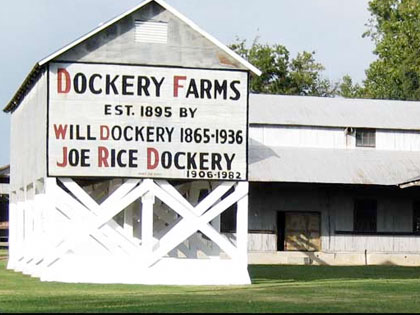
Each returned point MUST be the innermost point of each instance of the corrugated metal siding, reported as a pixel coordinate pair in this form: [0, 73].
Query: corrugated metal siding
[151, 32]
[331, 138]
[340, 166]
[333, 112]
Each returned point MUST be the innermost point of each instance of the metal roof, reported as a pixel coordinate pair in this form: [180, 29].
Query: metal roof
[333, 166]
[5, 171]
[333, 112]
[17, 98]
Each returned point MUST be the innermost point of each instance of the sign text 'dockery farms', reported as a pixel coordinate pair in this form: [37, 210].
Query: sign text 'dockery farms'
[140, 121]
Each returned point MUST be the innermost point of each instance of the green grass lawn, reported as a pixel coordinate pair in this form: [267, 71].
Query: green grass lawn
[274, 289]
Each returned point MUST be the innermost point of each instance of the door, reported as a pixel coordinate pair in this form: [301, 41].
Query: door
[302, 231]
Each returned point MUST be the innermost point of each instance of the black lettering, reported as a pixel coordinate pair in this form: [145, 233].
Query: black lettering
[92, 83]
[107, 109]
[78, 135]
[158, 85]
[166, 159]
[229, 160]
[150, 132]
[80, 83]
[191, 161]
[160, 131]
[143, 84]
[176, 160]
[192, 89]
[204, 161]
[132, 159]
[116, 132]
[118, 110]
[220, 89]
[126, 84]
[89, 135]
[113, 158]
[205, 88]
[110, 84]
[139, 133]
[235, 90]
[126, 137]
[119, 158]
[216, 158]
[73, 157]
[85, 158]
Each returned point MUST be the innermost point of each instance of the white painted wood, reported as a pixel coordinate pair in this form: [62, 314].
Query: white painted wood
[128, 221]
[4, 189]
[13, 229]
[242, 225]
[147, 201]
[73, 238]
[28, 136]
[84, 113]
[331, 137]
[89, 224]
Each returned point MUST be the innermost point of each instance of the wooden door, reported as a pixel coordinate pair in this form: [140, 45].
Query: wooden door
[302, 231]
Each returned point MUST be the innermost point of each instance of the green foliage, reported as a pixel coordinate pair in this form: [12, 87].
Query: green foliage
[275, 289]
[395, 28]
[350, 90]
[282, 74]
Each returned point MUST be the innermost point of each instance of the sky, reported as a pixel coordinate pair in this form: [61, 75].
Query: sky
[31, 30]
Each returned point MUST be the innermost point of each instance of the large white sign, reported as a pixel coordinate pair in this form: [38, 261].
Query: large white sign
[152, 122]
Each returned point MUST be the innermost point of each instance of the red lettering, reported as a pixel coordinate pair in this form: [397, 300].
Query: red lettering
[64, 162]
[152, 158]
[104, 132]
[60, 131]
[177, 85]
[103, 155]
[63, 74]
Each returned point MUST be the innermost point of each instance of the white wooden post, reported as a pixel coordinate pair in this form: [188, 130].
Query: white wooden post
[128, 221]
[75, 223]
[23, 230]
[242, 225]
[13, 224]
[148, 201]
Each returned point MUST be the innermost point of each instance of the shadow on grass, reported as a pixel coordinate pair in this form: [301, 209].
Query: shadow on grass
[281, 273]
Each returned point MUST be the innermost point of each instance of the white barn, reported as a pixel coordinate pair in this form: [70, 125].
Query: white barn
[103, 177]
[329, 180]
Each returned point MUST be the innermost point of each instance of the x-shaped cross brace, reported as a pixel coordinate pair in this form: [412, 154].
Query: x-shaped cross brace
[195, 218]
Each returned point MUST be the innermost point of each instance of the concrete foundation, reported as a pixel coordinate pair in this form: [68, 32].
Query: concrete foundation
[333, 259]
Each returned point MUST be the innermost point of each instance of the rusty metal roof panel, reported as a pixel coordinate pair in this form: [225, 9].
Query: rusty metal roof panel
[333, 166]
[333, 112]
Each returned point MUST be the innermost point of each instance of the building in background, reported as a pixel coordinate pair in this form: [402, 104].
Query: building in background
[4, 205]
[334, 180]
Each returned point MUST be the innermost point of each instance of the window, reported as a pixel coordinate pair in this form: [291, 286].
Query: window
[416, 217]
[365, 138]
[364, 219]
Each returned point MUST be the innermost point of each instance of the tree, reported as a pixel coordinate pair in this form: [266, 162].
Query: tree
[395, 28]
[283, 75]
[349, 89]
